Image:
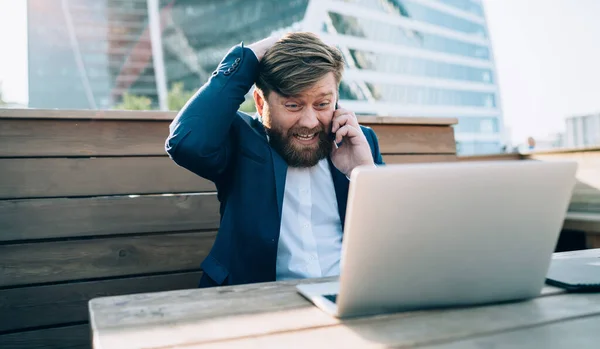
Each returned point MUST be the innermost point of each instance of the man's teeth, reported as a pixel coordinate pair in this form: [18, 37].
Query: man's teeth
[306, 136]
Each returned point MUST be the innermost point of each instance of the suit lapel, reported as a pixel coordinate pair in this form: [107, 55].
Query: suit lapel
[341, 185]
[279, 166]
[280, 172]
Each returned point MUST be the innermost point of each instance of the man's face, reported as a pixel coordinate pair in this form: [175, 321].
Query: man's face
[299, 126]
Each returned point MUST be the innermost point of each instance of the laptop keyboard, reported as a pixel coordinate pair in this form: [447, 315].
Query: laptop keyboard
[331, 297]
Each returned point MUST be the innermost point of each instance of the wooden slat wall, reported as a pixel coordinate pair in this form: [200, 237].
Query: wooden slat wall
[91, 205]
[81, 138]
[71, 137]
[59, 177]
[420, 158]
[410, 139]
[406, 144]
[57, 261]
[27, 219]
[63, 304]
[64, 337]
[77, 221]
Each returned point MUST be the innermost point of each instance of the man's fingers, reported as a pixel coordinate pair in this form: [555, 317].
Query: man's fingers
[346, 131]
[341, 120]
[340, 111]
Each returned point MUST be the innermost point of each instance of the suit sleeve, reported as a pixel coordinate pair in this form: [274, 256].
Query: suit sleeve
[200, 137]
[377, 158]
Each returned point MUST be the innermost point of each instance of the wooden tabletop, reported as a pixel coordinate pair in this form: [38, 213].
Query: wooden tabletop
[275, 315]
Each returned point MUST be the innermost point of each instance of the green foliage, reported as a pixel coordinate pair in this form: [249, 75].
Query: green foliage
[178, 97]
[248, 106]
[134, 102]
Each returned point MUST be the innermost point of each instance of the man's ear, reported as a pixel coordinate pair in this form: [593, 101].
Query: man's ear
[259, 101]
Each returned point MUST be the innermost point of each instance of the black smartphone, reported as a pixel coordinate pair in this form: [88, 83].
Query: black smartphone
[331, 134]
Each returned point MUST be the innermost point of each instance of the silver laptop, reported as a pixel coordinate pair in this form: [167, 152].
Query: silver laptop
[447, 234]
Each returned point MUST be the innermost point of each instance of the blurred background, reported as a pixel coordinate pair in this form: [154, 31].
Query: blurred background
[519, 75]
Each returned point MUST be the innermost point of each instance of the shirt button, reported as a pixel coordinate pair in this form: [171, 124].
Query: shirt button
[306, 225]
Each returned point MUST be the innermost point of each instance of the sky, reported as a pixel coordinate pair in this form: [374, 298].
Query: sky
[547, 56]
[548, 62]
[13, 50]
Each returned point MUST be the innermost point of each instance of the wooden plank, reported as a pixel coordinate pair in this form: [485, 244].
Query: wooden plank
[86, 114]
[22, 178]
[410, 159]
[69, 337]
[60, 217]
[22, 137]
[402, 139]
[54, 305]
[593, 148]
[222, 314]
[396, 120]
[167, 115]
[579, 333]
[71, 137]
[412, 329]
[23, 264]
[492, 157]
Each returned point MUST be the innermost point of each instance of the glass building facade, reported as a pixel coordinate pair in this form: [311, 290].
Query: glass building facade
[429, 58]
[582, 131]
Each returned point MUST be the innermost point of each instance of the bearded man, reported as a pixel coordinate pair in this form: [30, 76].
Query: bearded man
[282, 176]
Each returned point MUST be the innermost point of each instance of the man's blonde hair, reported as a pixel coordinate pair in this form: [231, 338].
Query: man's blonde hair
[296, 62]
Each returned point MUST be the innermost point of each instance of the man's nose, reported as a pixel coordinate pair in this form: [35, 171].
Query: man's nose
[309, 119]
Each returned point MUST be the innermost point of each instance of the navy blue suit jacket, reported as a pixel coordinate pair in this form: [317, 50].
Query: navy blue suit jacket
[212, 139]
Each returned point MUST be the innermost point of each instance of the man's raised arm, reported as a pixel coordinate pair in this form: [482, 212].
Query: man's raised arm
[199, 137]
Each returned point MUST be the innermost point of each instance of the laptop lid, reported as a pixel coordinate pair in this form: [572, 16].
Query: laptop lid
[430, 235]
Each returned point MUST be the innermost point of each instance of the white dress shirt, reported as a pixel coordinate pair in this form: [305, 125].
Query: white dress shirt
[310, 239]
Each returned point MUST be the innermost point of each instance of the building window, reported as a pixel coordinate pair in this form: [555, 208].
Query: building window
[428, 15]
[430, 96]
[465, 5]
[389, 63]
[478, 148]
[393, 34]
[481, 125]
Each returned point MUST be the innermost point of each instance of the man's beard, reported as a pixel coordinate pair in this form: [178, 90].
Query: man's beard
[298, 155]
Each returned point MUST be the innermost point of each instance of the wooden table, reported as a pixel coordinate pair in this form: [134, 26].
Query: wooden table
[274, 315]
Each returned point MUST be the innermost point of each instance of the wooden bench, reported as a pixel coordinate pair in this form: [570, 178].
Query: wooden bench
[90, 206]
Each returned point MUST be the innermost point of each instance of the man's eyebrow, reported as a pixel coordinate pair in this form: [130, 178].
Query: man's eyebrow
[324, 94]
[300, 96]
